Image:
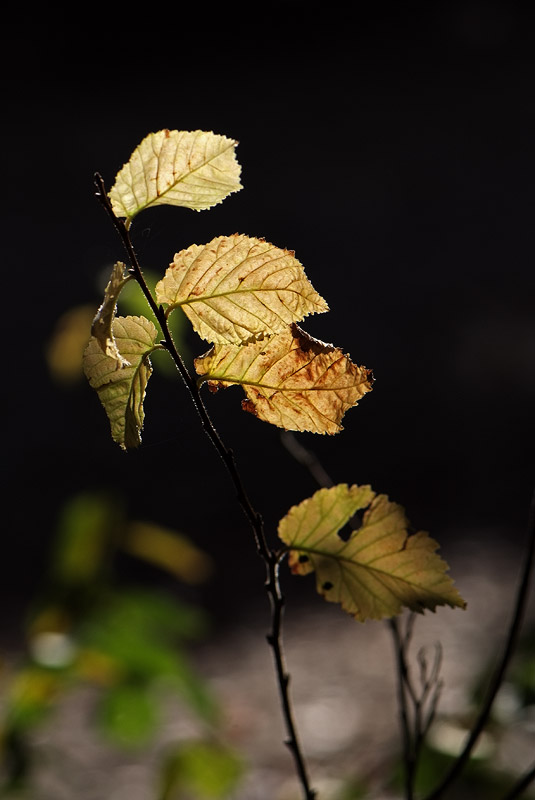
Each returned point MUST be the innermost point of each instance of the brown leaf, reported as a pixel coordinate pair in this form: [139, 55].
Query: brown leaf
[291, 380]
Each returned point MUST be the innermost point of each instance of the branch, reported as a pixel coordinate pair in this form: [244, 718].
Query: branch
[404, 685]
[522, 784]
[226, 454]
[271, 559]
[510, 644]
[275, 641]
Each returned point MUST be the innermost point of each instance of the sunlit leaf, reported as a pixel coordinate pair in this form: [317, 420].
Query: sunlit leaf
[101, 328]
[380, 569]
[291, 380]
[194, 169]
[122, 389]
[236, 288]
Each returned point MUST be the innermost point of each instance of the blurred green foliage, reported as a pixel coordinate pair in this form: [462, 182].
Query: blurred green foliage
[131, 643]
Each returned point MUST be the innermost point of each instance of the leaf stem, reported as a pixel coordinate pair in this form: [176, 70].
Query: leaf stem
[271, 559]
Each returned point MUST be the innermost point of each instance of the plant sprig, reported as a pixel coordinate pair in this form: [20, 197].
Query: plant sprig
[270, 557]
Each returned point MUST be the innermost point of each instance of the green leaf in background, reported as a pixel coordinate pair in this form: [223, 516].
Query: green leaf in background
[86, 529]
[144, 635]
[128, 714]
[200, 769]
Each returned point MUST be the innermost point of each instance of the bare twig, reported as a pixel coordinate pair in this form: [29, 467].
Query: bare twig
[496, 682]
[271, 559]
[275, 641]
[404, 686]
[522, 784]
[305, 457]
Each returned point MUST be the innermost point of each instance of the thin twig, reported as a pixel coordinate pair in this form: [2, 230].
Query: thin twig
[270, 558]
[428, 684]
[275, 641]
[403, 684]
[522, 784]
[510, 644]
[305, 457]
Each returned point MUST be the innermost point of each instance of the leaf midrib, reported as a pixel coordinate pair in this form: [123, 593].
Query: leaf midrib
[183, 177]
[345, 560]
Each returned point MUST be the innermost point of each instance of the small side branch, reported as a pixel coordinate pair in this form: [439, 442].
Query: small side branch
[406, 729]
[417, 707]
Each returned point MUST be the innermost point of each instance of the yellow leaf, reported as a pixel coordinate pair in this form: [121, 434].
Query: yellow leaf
[380, 569]
[194, 169]
[66, 346]
[236, 288]
[122, 389]
[291, 380]
[101, 328]
[169, 550]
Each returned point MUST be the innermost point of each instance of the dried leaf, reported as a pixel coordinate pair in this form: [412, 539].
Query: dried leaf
[236, 288]
[291, 380]
[122, 389]
[380, 569]
[193, 169]
[101, 328]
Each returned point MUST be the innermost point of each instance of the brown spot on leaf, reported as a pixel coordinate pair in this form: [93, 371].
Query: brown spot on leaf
[248, 405]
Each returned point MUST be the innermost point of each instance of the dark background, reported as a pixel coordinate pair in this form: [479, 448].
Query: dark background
[393, 150]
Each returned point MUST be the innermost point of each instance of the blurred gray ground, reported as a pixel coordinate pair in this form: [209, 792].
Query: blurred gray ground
[343, 689]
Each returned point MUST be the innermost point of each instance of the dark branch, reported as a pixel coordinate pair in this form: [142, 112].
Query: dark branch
[522, 784]
[270, 558]
[510, 644]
